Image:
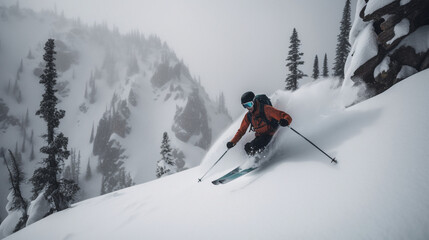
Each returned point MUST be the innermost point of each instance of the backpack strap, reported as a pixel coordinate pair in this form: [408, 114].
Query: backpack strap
[273, 123]
[249, 117]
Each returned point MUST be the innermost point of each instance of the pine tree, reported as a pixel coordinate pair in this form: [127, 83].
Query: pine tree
[23, 143]
[221, 105]
[16, 86]
[93, 90]
[59, 192]
[316, 68]
[23, 148]
[88, 174]
[77, 169]
[111, 167]
[343, 45]
[30, 55]
[8, 87]
[21, 67]
[17, 154]
[325, 66]
[32, 135]
[166, 163]
[27, 119]
[19, 96]
[85, 95]
[32, 155]
[293, 61]
[91, 138]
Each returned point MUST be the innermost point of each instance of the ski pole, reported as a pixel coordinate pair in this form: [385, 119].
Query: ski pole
[333, 159]
[199, 179]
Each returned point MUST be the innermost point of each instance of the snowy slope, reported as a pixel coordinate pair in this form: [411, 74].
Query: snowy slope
[379, 189]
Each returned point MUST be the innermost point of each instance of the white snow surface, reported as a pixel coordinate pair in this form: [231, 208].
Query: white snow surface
[8, 224]
[374, 5]
[406, 71]
[419, 40]
[38, 208]
[364, 47]
[382, 67]
[404, 2]
[358, 23]
[400, 29]
[379, 189]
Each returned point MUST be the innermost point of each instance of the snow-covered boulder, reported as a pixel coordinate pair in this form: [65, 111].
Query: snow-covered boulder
[400, 29]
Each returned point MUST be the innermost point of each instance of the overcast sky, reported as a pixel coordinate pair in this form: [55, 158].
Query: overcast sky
[233, 45]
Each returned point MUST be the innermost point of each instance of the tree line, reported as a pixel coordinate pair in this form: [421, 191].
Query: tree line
[294, 58]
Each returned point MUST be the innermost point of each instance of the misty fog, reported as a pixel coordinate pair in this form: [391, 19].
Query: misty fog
[232, 46]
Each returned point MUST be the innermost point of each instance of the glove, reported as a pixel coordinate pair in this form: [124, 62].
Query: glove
[283, 123]
[230, 145]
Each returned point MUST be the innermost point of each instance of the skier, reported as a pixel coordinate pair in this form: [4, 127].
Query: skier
[264, 120]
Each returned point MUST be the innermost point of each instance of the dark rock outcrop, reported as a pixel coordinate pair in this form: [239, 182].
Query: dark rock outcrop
[395, 60]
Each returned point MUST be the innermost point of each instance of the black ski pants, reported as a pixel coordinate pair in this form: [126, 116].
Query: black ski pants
[258, 144]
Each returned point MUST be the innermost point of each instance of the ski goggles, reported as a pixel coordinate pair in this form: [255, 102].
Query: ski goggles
[248, 104]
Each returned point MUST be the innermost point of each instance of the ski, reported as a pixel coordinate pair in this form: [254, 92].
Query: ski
[234, 174]
[219, 180]
[250, 165]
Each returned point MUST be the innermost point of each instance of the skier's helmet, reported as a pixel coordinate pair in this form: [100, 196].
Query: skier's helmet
[247, 97]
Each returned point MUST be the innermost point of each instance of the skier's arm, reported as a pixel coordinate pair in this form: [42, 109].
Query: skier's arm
[242, 130]
[273, 113]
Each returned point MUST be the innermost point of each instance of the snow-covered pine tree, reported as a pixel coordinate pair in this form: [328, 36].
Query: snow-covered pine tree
[111, 167]
[343, 45]
[293, 61]
[316, 68]
[325, 66]
[58, 192]
[17, 201]
[132, 98]
[166, 164]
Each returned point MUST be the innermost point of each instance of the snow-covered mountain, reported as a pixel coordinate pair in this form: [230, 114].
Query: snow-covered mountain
[123, 89]
[378, 190]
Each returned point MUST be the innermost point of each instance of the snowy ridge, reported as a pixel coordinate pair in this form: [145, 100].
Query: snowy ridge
[378, 190]
[98, 69]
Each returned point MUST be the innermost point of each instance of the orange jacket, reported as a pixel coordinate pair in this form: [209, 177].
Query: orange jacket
[260, 126]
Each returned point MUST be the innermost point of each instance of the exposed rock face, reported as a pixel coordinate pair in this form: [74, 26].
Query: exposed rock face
[192, 122]
[396, 26]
